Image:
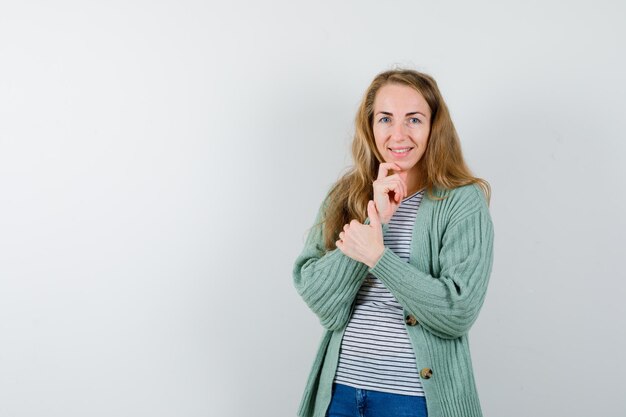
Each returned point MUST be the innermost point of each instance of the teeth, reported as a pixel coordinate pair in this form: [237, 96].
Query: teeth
[405, 150]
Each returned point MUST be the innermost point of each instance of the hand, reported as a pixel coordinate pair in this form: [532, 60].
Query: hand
[388, 191]
[363, 242]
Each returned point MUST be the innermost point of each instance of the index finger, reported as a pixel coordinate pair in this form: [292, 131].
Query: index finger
[385, 167]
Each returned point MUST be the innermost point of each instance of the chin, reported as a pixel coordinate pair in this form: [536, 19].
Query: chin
[406, 165]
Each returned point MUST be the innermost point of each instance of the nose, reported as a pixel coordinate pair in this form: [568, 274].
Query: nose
[399, 131]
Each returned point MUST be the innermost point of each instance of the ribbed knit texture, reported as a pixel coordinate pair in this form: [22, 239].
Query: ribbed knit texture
[443, 285]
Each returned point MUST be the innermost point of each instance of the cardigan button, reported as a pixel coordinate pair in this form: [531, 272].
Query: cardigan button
[426, 373]
[410, 320]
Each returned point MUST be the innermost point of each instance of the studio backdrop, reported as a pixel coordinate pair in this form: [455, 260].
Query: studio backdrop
[161, 163]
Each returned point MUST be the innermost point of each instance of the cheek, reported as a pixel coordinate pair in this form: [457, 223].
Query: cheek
[423, 137]
[378, 141]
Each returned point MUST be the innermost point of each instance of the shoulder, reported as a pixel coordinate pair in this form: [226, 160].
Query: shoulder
[461, 202]
[471, 195]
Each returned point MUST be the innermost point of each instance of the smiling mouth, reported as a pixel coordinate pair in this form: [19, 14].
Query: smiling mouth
[400, 151]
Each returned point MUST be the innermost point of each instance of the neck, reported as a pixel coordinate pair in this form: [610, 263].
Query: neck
[414, 189]
[414, 181]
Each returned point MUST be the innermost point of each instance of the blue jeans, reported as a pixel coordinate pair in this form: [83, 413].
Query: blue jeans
[354, 402]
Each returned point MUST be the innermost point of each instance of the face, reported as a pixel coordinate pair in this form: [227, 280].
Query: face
[401, 125]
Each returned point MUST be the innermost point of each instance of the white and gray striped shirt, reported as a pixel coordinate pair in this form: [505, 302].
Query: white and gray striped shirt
[376, 352]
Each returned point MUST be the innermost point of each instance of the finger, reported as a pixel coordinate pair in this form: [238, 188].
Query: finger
[398, 182]
[390, 184]
[373, 213]
[397, 186]
[400, 188]
[401, 182]
[385, 167]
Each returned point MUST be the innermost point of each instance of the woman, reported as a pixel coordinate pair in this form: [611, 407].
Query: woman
[397, 264]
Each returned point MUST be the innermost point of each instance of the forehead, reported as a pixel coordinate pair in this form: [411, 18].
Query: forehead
[399, 97]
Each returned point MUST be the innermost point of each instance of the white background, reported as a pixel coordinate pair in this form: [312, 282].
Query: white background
[161, 161]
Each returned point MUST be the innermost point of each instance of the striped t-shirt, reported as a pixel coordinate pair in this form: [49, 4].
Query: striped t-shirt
[376, 352]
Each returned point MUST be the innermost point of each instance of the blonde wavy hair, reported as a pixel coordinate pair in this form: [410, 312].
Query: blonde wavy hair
[442, 166]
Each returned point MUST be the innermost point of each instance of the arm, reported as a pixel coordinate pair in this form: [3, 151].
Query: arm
[446, 305]
[327, 281]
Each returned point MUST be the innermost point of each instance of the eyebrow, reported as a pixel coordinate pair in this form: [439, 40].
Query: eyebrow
[386, 113]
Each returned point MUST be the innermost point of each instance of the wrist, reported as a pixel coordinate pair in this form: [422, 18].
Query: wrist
[374, 260]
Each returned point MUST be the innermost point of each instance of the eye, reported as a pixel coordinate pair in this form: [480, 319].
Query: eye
[414, 120]
[384, 119]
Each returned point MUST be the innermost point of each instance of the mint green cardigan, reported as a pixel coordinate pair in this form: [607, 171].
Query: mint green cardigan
[443, 286]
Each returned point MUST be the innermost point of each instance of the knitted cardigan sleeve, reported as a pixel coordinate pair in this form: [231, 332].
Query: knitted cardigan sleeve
[328, 281]
[447, 304]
